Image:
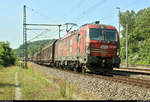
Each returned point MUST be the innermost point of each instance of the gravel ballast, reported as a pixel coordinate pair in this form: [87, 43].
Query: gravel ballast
[99, 87]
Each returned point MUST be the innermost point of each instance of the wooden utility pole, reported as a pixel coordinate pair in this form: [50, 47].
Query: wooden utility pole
[127, 45]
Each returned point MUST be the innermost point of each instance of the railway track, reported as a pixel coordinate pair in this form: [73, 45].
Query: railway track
[123, 79]
[143, 71]
[116, 78]
[127, 80]
[139, 69]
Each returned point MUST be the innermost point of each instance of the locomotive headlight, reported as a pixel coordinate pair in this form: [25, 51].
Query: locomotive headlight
[118, 52]
[88, 50]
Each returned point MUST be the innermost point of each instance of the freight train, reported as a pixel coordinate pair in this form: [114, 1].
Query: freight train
[93, 47]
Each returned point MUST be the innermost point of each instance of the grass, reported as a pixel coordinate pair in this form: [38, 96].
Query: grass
[35, 86]
[64, 89]
[7, 83]
[1, 67]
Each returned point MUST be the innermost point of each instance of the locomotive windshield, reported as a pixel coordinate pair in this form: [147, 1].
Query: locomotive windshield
[96, 34]
[99, 34]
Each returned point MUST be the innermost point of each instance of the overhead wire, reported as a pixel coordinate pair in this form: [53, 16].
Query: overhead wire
[42, 15]
[42, 35]
[84, 13]
[43, 32]
[92, 8]
[79, 17]
[33, 10]
[77, 5]
[108, 16]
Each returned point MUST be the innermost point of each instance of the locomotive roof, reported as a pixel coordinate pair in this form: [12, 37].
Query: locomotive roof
[103, 26]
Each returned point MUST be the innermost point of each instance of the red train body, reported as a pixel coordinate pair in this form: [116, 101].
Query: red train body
[93, 47]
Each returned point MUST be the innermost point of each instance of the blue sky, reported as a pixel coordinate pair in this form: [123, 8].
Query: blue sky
[59, 12]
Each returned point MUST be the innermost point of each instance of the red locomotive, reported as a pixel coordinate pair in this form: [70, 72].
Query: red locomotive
[93, 47]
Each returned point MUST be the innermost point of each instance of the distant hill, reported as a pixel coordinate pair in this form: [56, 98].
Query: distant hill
[33, 47]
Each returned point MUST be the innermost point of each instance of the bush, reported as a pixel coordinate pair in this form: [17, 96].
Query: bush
[7, 56]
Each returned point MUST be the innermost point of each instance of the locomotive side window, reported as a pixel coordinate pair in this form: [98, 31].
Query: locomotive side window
[70, 42]
[62, 48]
[67, 45]
[78, 38]
[70, 45]
[87, 35]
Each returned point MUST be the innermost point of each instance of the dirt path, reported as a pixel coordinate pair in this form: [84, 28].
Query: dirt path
[17, 87]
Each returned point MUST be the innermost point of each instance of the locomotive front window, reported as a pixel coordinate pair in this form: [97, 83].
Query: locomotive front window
[96, 34]
[110, 35]
[100, 34]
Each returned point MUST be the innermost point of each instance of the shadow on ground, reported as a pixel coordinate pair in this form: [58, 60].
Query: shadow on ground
[129, 73]
[2, 85]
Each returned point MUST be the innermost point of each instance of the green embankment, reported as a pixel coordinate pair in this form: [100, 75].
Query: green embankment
[36, 85]
[7, 83]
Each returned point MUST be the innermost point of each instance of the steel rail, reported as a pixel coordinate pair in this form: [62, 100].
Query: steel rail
[140, 69]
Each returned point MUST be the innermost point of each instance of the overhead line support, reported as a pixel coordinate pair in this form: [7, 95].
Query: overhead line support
[25, 48]
[37, 29]
[43, 24]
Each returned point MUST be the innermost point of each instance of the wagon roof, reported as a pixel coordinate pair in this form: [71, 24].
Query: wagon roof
[50, 44]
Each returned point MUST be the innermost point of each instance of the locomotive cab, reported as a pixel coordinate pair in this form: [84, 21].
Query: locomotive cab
[102, 47]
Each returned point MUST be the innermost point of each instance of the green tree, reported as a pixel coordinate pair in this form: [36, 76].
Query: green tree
[138, 35]
[127, 17]
[7, 56]
[142, 32]
[33, 47]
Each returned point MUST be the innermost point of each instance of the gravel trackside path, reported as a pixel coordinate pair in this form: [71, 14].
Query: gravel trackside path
[107, 90]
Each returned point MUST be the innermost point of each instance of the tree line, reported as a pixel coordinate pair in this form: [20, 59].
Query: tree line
[138, 35]
[33, 47]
